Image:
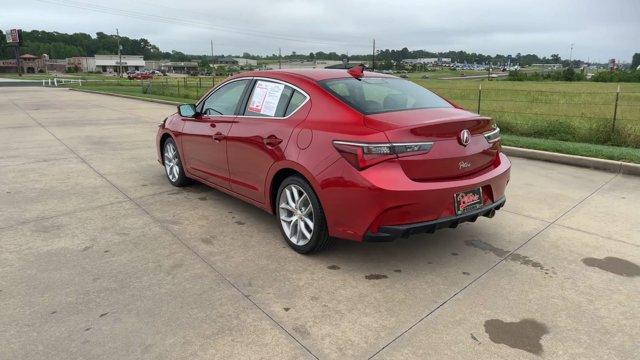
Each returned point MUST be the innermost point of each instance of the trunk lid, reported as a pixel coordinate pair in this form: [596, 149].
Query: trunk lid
[442, 126]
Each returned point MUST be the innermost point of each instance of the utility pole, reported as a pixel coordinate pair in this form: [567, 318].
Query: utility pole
[212, 59]
[571, 55]
[119, 54]
[279, 58]
[373, 56]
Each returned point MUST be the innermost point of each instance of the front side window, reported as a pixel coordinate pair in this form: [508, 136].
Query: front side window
[224, 100]
[272, 99]
[376, 95]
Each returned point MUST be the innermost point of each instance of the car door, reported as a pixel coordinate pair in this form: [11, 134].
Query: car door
[261, 132]
[204, 144]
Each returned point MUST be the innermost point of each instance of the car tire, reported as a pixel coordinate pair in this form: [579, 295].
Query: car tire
[172, 164]
[300, 216]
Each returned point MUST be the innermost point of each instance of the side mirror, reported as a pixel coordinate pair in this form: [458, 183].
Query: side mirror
[187, 110]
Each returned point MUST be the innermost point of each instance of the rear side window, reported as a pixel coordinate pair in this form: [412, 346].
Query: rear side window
[377, 95]
[297, 99]
[269, 99]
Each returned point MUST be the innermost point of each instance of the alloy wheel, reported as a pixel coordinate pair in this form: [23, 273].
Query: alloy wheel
[296, 215]
[171, 162]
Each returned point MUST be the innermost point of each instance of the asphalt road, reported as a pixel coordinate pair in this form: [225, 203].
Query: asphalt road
[100, 258]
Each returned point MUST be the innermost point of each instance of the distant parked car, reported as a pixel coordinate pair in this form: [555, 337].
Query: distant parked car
[140, 76]
[425, 76]
[404, 76]
[338, 153]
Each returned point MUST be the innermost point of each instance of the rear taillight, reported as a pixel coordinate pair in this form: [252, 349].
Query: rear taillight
[364, 155]
[493, 135]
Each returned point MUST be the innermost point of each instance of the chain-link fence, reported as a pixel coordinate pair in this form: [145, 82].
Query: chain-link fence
[581, 116]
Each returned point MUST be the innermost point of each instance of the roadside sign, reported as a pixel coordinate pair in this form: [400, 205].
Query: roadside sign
[14, 36]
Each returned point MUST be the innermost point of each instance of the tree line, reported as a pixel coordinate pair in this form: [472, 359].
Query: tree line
[60, 46]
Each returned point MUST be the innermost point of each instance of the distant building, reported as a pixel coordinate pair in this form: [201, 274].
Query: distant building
[228, 60]
[317, 64]
[428, 61]
[29, 64]
[57, 65]
[111, 63]
[155, 64]
[184, 67]
[82, 63]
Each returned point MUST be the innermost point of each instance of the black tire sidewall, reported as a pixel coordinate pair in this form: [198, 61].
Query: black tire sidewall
[319, 220]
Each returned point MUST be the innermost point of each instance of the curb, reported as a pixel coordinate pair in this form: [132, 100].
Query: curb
[574, 160]
[158, 101]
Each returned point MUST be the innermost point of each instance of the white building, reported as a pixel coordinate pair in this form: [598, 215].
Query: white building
[111, 63]
[246, 62]
[316, 64]
[428, 61]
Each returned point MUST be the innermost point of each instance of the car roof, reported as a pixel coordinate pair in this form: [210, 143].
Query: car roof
[313, 74]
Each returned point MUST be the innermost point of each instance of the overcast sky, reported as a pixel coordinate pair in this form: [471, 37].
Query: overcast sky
[599, 29]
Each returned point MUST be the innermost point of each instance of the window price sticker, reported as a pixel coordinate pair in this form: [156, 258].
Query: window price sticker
[265, 98]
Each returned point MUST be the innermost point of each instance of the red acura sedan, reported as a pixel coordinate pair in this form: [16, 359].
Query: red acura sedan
[339, 154]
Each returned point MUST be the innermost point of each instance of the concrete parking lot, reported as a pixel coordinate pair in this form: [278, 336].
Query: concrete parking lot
[100, 258]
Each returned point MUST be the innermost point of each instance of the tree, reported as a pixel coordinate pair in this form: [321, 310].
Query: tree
[555, 58]
[635, 61]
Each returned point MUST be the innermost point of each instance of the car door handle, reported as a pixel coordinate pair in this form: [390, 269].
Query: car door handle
[212, 125]
[218, 136]
[272, 141]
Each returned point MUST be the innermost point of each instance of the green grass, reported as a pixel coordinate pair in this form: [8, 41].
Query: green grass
[572, 118]
[577, 112]
[564, 147]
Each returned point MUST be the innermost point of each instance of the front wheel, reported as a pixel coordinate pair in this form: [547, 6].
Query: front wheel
[302, 221]
[173, 165]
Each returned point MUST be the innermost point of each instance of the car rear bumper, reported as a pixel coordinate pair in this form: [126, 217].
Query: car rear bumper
[383, 203]
[388, 233]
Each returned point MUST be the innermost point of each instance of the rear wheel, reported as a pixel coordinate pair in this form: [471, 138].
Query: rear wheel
[172, 164]
[302, 221]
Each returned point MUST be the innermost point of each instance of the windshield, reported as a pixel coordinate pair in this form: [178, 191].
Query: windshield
[376, 95]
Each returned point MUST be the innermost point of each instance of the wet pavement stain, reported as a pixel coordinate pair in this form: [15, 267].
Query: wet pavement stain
[53, 312]
[375, 276]
[106, 251]
[202, 198]
[397, 270]
[207, 240]
[333, 267]
[103, 314]
[523, 335]
[501, 253]
[301, 330]
[239, 222]
[87, 329]
[454, 254]
[614, 265]
[465, 273]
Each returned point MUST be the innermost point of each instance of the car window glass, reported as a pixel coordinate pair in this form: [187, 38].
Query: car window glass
[374, 95]
[225, 100]
[268, 99]
[296, 100]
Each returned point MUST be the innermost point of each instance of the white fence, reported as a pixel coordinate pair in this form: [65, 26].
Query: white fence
[56, 82]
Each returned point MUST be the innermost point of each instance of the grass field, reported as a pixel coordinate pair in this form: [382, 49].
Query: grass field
[568, 117]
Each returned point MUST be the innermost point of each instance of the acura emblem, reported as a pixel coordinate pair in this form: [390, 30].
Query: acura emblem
[464, 137]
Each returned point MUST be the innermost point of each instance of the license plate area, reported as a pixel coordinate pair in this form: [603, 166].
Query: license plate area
[469, 200]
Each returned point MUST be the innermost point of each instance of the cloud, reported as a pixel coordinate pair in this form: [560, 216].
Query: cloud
[600, 30]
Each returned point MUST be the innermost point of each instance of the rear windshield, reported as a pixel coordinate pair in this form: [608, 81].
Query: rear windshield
[377, 95]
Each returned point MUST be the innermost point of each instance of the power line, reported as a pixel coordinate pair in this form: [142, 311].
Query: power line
[181, 21]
